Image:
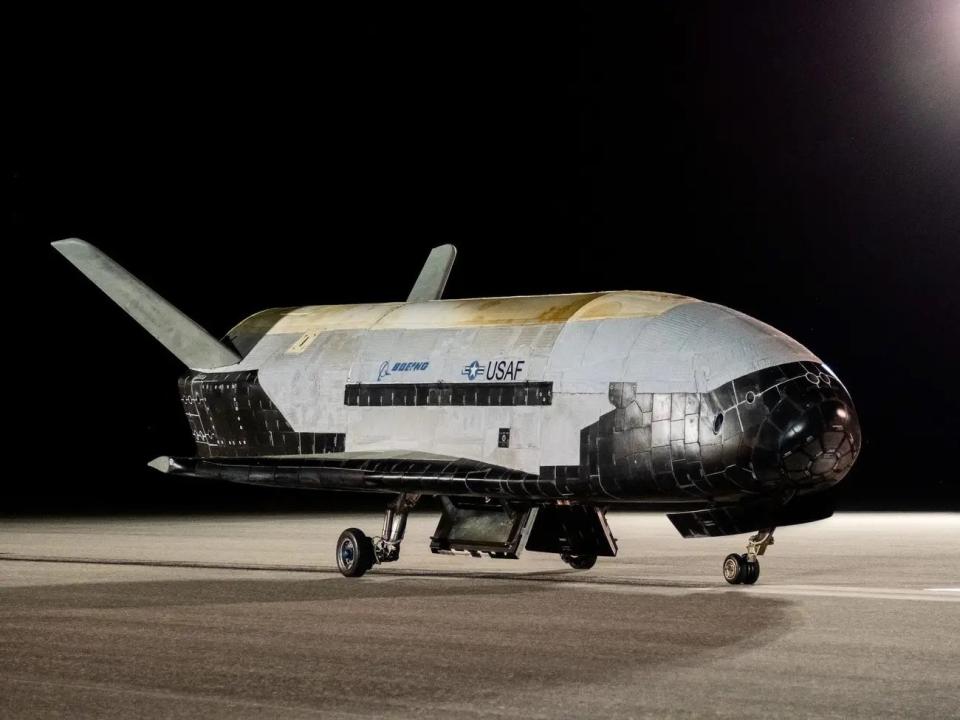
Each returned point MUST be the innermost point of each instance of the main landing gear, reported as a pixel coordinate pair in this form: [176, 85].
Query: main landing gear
[745, 569]
[579, 562]
[357, 553]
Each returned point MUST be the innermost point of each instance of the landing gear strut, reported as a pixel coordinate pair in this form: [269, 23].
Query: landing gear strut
[745, 569]
[357, 553]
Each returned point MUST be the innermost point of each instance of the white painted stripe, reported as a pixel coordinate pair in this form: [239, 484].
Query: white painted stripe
[839, 592]
[813, 591]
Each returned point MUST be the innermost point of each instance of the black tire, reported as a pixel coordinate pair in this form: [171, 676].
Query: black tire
[354, 553]
[734, 568]
[752, 572]
[579, 562]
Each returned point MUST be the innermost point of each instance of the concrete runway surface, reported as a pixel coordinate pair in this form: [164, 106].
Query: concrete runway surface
[855, 616]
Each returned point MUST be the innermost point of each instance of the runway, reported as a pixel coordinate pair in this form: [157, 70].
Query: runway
[227, 616]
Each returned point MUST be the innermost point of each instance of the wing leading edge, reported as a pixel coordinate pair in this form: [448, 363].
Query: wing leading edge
[397, 473]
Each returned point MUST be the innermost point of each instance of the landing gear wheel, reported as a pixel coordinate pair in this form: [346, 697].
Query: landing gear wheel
[354, 553]
[579, 562]
[734, 568]
[738, 570]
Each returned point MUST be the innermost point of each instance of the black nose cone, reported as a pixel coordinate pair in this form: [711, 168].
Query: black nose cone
[812, 432]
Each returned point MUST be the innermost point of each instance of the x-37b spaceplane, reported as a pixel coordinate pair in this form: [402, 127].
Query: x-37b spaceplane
[528, 417]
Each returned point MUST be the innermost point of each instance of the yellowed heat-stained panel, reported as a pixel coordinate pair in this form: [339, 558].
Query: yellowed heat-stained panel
[629, 304]
[303, 342]
[332, 317]
[478, 312]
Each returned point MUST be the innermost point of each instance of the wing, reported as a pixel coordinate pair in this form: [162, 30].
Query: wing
[390, 472]
[179, 334]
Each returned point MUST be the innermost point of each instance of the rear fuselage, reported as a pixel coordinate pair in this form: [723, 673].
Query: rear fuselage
[623, 396]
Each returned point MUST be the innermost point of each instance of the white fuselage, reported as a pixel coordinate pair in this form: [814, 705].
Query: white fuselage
[579, 343]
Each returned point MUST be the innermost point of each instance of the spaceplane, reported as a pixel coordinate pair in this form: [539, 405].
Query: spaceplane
[527, 417]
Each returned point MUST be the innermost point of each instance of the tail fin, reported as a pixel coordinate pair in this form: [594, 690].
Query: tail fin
[433, 276]
[192, 345]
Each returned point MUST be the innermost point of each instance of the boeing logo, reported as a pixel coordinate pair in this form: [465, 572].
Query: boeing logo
[386, 369]
[494, 370]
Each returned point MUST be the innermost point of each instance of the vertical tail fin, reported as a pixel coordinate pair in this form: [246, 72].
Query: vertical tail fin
[433, 276]
[192, 345]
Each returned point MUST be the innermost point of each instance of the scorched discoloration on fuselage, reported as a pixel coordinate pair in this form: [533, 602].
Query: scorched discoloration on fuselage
[620, 396]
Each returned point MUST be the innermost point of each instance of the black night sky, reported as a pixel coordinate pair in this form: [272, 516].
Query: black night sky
[796, 161]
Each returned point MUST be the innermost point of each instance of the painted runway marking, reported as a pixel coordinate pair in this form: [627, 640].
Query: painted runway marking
[569, 579]
[867, 593]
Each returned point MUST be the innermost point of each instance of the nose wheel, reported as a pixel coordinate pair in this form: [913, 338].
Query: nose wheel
[745, 569]
[738, 570]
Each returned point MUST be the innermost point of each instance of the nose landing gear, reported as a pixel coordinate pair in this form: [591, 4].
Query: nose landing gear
[737, 569]
[357, 553]
[745, 569]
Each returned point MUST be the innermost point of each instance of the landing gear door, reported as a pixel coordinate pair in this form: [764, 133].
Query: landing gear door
[572, 529]
[474, 526]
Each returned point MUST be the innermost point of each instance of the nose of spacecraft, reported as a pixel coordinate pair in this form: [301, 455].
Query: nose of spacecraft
[813, 432]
